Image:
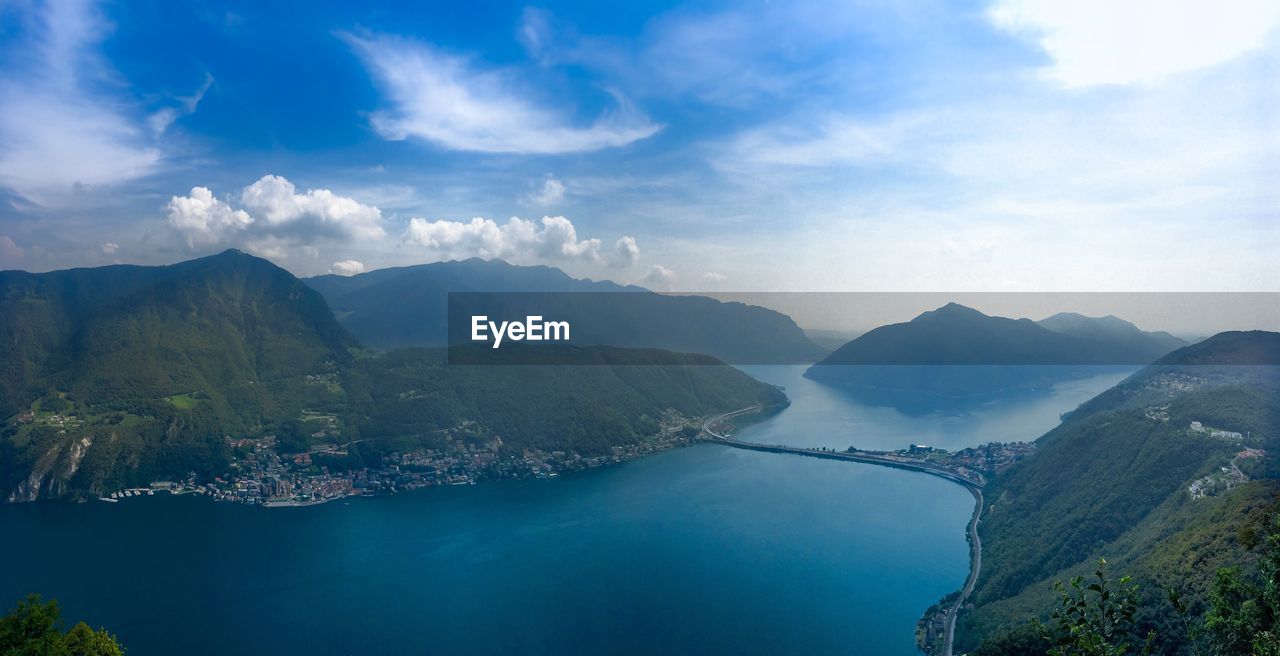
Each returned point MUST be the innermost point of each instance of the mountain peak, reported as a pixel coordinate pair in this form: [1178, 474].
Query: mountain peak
[951, 310]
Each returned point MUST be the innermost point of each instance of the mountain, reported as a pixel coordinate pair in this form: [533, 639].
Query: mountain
[1144, 345]
[1150, 475]
[234, 326]
[955, 334]
[973, 358]
[595, 398]
[118, 376]
[408, 306]
[146, 368]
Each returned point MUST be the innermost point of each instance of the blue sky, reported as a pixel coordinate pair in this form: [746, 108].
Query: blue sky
[1003, 145]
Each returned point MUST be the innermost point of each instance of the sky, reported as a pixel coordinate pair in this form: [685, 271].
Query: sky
[1010, 145]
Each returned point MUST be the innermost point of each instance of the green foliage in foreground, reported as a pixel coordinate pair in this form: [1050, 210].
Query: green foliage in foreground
[1094, 617]
[1098, 618]
[32, 629]
[1244, 617]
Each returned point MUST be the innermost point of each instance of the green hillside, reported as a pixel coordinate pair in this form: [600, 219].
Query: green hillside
[119, 376]
[607, 397]
[1137, 475]
[408, 306]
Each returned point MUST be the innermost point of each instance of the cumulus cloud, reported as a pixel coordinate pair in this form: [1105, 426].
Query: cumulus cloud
[56, 131]
[712, 276]
[110, 248]
[272, 217]
[203, 219]
[659, 278]
[625, 252]
[347, 267]
[276, 200]
[449, 101]
[552, 238]
[551, 192]
[1093, 42]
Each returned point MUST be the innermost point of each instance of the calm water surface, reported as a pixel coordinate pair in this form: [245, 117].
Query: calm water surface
[705, 549]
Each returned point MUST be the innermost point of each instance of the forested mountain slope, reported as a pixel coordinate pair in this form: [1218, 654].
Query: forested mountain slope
[1159, 474]
[124, 375]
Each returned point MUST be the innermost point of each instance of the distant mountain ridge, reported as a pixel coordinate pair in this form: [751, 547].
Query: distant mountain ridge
[122, 375]
[407, 306]
[961, 358]
[955, 334]
[1124, 334]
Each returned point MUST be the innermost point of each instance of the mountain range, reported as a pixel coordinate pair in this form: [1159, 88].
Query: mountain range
[955, 334]
[122, 375]
[958, 357]
[117, 376]
[409, 306]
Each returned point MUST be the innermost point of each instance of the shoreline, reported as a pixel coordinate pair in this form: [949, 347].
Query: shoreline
[971, 531]
[645, 449]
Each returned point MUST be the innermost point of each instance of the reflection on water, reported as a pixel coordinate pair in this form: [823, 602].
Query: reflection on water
[707, 550]
[837, 416]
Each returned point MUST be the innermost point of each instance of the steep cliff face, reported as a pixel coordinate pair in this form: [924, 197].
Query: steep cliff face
[48, 477]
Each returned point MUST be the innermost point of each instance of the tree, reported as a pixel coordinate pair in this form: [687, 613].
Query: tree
[1095, 619]
[1244, 614]
[32, 630]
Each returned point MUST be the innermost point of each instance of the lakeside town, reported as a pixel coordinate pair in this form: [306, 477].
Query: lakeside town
[976, 463]
[260, 475]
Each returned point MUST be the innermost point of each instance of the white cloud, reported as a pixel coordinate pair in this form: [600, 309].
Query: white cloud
[551, 192]
[737, 56]
[161, 119]
[1188, 147]
[273, 217]
[55, 133]
[659, 278]
[1093, 42]
[712, 276]
[834, 139]
[347, 267]
[203, 219]
[968, 247]
[553, 238]
[269, 246]
[110, 248]
[625, 252]
[9, 250]
[276, 200]
[446, 100]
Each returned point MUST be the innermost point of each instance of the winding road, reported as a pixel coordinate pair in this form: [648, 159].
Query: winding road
[974, 487]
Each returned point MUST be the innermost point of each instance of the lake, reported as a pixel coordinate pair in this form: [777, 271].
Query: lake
[705, 549]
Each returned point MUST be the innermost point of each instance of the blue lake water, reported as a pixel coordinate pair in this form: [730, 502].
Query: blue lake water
[705, 549]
